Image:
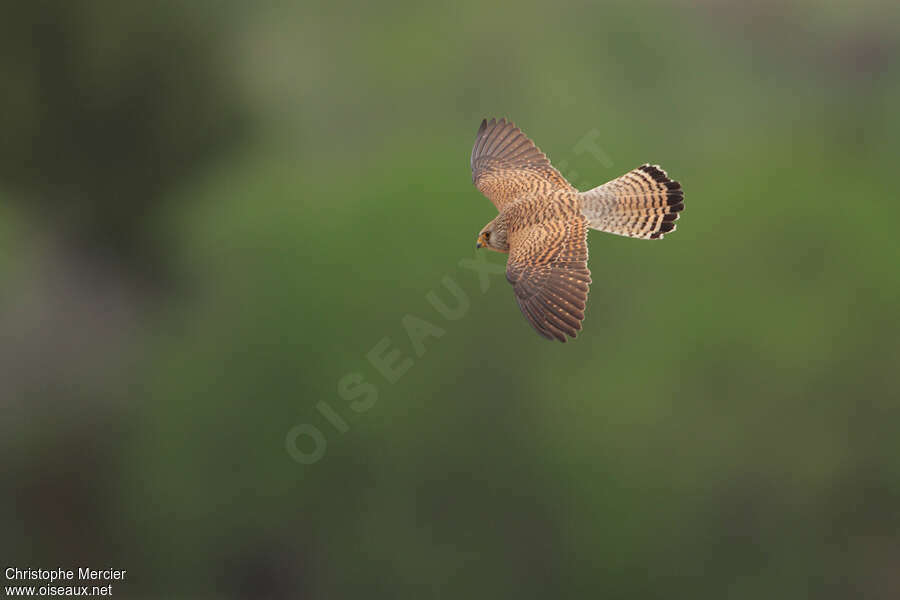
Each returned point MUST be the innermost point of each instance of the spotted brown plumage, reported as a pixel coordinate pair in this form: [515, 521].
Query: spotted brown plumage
[507, 165]
[543, 222]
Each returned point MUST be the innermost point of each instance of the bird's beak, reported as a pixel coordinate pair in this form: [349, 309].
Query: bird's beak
[478, 244]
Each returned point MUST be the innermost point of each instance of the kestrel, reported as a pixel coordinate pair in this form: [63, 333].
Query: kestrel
[543, 222]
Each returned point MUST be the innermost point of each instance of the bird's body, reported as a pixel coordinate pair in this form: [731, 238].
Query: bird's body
[543, 222]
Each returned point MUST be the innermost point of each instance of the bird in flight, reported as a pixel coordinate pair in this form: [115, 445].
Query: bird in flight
[543, 222]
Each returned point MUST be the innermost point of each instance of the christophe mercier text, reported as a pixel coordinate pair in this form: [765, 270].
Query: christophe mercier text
[51, 575]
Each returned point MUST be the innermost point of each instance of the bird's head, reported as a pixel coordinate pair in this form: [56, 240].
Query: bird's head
[493, 237]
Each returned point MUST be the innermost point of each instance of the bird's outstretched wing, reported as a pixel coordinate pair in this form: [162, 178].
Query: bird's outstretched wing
[547, 267]
[506, 164]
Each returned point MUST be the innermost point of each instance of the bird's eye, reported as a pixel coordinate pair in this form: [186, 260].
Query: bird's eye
[487, 235]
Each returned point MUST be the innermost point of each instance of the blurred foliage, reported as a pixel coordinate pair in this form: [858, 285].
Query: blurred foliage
[726, 424]
[108, 107]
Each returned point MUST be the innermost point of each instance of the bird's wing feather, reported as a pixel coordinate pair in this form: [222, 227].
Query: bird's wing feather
[506, 164]
[547, 267]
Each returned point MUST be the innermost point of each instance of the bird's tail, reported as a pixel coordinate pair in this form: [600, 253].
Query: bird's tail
[643, 203]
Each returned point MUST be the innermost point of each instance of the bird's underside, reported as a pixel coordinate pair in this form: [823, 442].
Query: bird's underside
[543, 222]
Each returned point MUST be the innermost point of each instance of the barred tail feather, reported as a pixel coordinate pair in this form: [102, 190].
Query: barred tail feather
[643, 203]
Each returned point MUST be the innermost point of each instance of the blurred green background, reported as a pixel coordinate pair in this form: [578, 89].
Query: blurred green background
[211, 213]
